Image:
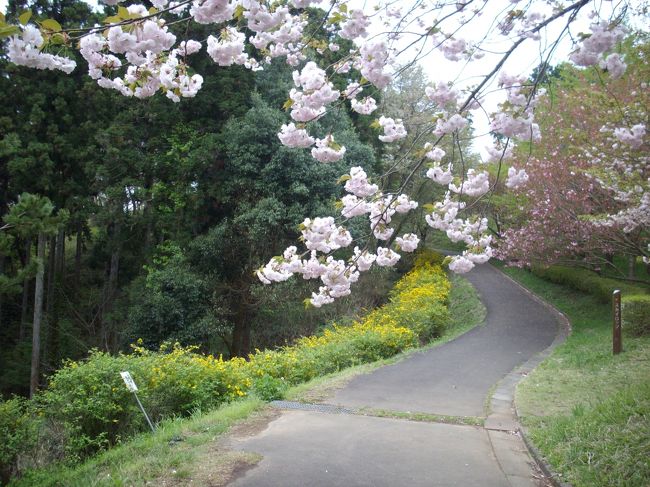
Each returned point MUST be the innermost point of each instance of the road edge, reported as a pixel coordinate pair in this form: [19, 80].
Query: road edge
[504, 414]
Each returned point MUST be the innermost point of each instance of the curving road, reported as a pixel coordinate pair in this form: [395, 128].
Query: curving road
[308, 448]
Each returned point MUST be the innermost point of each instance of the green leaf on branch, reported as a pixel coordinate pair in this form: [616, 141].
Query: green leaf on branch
[51, 25]
[239, 12]
[8, 30]
[113, 19]
[24, 17]
[343, 179]
[58, 39]
[123, 13]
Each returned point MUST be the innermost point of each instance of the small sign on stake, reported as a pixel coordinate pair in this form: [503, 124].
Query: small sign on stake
[128, 380]
[130, 385]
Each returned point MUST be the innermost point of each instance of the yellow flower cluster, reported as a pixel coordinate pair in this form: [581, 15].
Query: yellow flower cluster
[177, 380]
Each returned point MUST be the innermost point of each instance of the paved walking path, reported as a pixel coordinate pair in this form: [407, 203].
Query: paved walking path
[307, 448]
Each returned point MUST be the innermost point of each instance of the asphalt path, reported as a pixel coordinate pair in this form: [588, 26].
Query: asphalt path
[306, 448]
[455, 378]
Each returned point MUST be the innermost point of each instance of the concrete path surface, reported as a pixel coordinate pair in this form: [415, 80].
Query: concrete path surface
[308, 448]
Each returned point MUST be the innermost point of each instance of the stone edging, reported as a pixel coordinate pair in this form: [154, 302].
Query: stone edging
[504, 414]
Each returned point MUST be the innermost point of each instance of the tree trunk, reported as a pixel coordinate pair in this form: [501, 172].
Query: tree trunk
[53, 308]
[25, 304]
[631, 266]
[77, 256]
[2, 269]
[241, 333]
[110, 287]
[38, 315]
[60, 255]
[49, 301]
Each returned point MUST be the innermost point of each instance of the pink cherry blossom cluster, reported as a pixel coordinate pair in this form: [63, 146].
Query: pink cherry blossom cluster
[604, 36]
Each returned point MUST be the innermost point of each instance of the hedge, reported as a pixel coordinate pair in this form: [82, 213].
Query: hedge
[587, 281]
[636, 314]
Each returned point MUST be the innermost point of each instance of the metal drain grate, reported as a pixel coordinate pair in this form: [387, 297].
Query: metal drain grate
[319, 408]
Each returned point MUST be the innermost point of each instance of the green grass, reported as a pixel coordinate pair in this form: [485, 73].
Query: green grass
[177, 451]
[187, 450]
[423, 417]
[586, 410]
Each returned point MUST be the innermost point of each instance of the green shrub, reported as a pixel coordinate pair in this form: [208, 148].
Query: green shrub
[18, 433]
[587, 281]
[88, 408]
[96, 410]
[636, 314]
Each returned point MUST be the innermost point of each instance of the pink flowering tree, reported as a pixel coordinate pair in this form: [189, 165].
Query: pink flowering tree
[586, 190]
[135, 52]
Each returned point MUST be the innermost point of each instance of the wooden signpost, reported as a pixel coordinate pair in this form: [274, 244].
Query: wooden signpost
[616, 309]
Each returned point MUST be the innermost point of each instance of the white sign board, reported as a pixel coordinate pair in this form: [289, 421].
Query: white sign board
[128, 380]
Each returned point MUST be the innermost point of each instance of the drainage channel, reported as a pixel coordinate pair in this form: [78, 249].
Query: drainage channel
[319, 408]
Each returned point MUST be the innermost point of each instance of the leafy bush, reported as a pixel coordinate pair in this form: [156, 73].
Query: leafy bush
[96, 410]
[636, 314]
[88, 407]
[18, 432]
[587, 281]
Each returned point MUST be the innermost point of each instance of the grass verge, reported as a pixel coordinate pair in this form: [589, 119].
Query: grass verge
[423, 417]
[171, 456]
[188, 451]
[586, 410]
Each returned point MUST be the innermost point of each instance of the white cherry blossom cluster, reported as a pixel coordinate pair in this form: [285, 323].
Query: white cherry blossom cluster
[450, 125]
[443, 95]
[473, 232]
[228, 49]
[355, 26]
[309, 104]
[516, 178]
[364, 107]
[393, 129]
[295, 137]
[476, 183]
[408, 242]
[24, 50]
[327, 150]
[631, 136]
[516, 119]
[322, 236]
[373, 62]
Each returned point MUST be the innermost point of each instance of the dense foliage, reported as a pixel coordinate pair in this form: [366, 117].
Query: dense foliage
[86, 407]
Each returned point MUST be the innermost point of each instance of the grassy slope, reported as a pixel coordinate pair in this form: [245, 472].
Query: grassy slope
[587, 410]
[187, 450]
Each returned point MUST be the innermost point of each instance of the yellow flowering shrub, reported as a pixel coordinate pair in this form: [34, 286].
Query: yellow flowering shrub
[96, 410]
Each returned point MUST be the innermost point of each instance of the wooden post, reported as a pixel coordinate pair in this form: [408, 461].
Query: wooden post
[616, 338]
